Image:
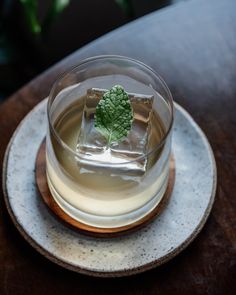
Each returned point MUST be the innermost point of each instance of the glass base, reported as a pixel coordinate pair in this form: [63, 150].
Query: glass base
[108, 221]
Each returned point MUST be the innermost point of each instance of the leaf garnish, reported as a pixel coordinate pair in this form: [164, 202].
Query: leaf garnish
[114, 115]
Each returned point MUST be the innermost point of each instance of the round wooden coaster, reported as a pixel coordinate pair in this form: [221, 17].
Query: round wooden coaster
[41, 180]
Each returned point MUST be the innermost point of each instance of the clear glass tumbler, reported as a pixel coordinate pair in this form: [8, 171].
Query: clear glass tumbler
[100, 192]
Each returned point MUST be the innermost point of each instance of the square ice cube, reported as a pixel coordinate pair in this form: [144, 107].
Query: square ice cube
[92, 144]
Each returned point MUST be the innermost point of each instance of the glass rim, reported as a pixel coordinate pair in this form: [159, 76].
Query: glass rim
[100, 57]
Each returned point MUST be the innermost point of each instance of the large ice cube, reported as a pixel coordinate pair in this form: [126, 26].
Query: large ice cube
[121, 157]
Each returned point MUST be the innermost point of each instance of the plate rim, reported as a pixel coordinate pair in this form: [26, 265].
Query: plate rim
[127, 271]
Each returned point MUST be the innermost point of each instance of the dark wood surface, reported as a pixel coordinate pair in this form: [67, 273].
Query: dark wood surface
[193, 46]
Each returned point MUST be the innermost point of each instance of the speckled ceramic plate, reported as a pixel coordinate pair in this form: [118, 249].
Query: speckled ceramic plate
[161, 240]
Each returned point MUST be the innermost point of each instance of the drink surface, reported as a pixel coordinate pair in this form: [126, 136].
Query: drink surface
[114, 193]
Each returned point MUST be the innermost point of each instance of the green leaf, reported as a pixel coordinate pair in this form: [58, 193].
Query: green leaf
[56, 8]
[114, 114]
[60, 5]
[30, 8]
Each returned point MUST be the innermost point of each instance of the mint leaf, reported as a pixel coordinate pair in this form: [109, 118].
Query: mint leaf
[114, 114]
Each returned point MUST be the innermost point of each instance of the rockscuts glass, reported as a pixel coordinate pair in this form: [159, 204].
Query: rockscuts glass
[90, 186]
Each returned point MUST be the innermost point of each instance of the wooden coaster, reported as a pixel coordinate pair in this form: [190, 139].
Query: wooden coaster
[41, 180]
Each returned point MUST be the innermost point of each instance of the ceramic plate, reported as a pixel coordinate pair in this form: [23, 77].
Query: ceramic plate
[158, 242]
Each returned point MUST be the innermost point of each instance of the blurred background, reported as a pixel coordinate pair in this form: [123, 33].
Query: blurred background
[34, 34]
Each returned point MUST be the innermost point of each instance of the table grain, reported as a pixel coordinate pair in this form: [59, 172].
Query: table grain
[193, 47]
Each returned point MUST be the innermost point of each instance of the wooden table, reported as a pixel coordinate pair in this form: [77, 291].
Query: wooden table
[193, 46]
